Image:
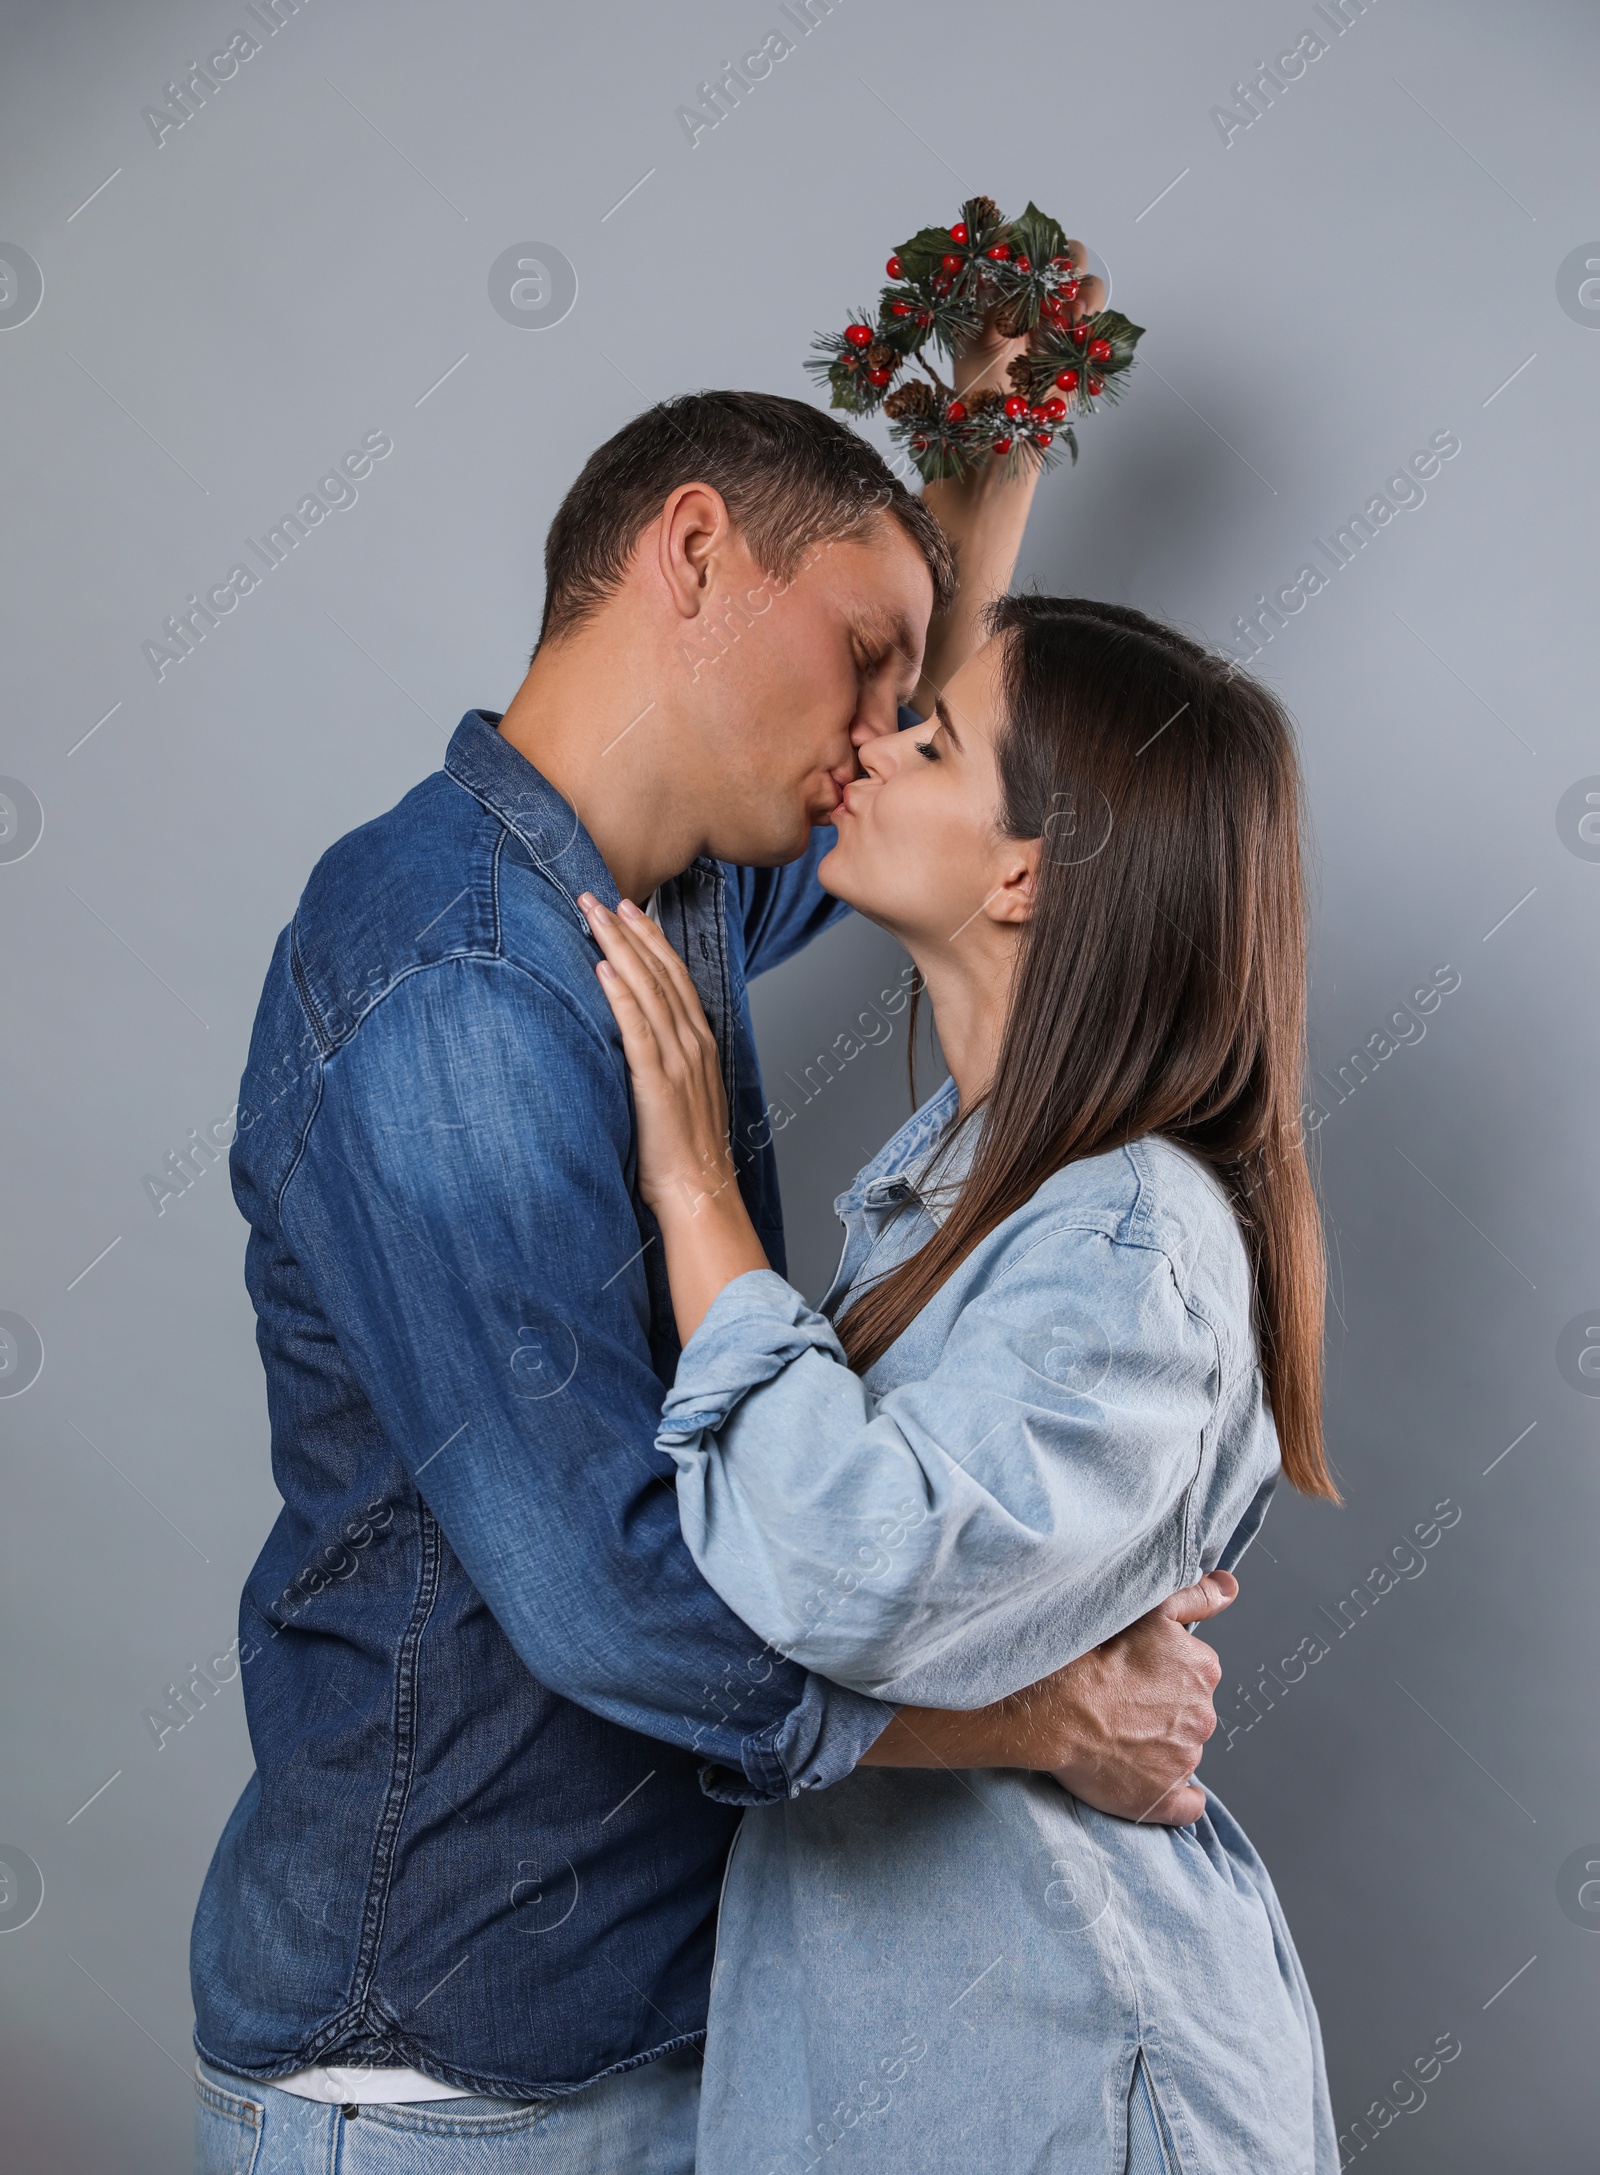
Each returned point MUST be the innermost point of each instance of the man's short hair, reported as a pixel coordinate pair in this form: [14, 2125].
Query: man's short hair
[789, 475]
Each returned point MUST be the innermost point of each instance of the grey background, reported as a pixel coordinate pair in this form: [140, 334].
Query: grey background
[1366, 264]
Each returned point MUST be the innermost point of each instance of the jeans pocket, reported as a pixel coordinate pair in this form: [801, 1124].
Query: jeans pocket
[227, 2130]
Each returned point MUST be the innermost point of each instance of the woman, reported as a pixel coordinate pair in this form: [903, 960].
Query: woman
[1076, 1326]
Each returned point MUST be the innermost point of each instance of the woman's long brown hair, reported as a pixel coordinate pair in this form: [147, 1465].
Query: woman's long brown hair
[1160, 985]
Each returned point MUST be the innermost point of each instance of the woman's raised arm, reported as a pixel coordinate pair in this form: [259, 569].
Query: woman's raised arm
[985, 516]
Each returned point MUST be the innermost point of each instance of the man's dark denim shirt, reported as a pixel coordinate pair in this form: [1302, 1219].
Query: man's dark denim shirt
[484, 1681]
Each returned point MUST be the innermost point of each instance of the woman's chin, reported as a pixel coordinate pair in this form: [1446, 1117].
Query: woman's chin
[838, 879]
[834, 879]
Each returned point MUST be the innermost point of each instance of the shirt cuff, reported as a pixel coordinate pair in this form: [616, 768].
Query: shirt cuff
[815, 1745]
[751, 1331]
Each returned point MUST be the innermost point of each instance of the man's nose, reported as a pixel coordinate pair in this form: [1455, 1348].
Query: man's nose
[876, 754]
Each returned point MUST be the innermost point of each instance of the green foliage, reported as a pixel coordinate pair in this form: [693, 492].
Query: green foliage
[944, 306]
[1037, 236]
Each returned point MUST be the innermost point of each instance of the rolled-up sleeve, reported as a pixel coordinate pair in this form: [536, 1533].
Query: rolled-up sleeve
[962, 1535]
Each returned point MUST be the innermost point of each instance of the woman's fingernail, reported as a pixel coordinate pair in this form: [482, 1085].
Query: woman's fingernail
[629, 912]
[606, 971]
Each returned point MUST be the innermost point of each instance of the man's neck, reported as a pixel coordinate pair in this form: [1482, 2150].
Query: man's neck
[586, 720]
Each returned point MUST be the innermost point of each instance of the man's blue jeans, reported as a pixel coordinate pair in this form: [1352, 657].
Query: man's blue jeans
[639, 2123]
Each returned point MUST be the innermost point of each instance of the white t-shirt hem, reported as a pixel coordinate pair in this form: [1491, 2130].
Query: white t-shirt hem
[366, 2087]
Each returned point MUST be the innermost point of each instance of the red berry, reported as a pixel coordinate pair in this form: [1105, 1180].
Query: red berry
[858, 335]
[879, 377]
[1043, 437]
[1000, 252]
[919, 445]
[1001, 445]
[1015, 406]
[1080, 333]
[1069, 289]
[1023, 265]
[958, 233]
[1096, 385]
[894, 268]
[950, 264]
[1067, 380]
[1061, 264]
[900, 309]
[1055, 408]
[1100, 350]
[957, 411]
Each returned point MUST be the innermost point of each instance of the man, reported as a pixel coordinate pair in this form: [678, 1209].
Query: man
[502, 1728]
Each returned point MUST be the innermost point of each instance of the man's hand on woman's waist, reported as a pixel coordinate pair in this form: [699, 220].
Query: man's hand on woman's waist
[1122, 1727]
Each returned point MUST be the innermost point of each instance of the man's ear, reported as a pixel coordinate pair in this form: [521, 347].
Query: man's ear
[1018, 873]
[692, 533]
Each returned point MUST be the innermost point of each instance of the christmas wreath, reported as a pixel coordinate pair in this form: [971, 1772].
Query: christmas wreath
[946, 284]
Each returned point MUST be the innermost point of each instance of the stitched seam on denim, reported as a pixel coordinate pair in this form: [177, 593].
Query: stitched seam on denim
[467, 2080]
[402, 1766]
[411, 2120]
[753, 938]
[550, 988]
[247, 2111]
[1169, 2122]
[771, 1774]
[333, 1042]
[1208, 1440]
[718, 912]
[903, 1146]
[908, 1141]
[1139, 1185]
[858, 1281]
[1158, 2114]
[391, 2038]
[302, 983]
[1063, 1230]
[505, 821]
[1161, 1254]
[252, 1078]
[301, 1144]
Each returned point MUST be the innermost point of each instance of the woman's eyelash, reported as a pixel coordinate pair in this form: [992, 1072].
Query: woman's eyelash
[926, 748]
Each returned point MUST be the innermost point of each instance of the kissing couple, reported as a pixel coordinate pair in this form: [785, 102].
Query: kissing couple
[696, 1728]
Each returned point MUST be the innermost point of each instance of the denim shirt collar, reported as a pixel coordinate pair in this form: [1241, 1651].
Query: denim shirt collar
[898, 1170]
[938, 1176]
[482, 760]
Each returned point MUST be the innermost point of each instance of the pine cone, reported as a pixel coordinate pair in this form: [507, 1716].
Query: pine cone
[913, 403]
[981, 211]
[881, 356]
[1020, 371]
[985, 403]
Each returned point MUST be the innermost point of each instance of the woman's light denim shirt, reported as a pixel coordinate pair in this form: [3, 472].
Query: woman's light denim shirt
[929, 1971]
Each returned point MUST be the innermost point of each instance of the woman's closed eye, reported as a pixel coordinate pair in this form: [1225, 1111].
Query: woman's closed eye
[928, 748]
